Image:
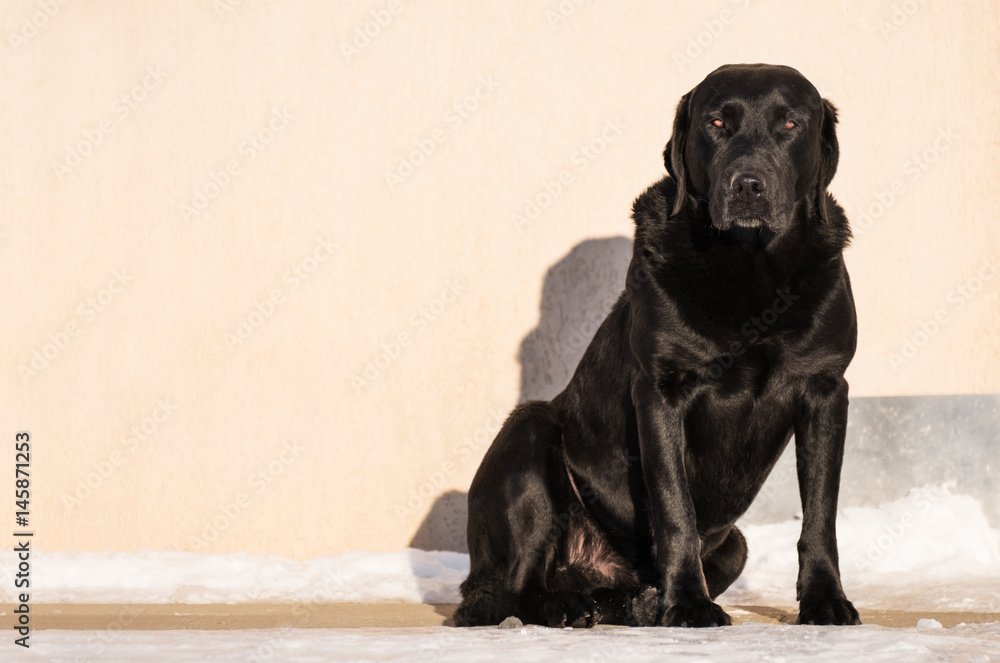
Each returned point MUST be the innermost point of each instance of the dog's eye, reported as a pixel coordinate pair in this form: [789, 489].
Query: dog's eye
[718, 123]
[790, 125]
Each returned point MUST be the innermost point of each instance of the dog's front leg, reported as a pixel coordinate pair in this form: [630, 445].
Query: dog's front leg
[683, 591]
[819, 453]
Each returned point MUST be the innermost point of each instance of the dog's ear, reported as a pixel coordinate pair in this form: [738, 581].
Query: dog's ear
[673, 154]
[829, 155]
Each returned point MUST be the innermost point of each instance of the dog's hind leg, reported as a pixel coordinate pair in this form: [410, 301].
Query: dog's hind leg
[485, 600]
[724, 563]
[519, 509]
[641, 604]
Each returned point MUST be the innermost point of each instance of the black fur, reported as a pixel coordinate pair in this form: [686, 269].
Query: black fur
[617, 500]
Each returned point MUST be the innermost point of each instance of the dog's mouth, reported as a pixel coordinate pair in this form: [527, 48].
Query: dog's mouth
[747, 215]
[735, 212]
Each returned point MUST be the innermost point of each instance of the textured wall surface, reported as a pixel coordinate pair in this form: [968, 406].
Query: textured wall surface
[275, 271]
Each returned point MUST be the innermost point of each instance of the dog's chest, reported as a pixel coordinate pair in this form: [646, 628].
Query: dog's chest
[735, 431]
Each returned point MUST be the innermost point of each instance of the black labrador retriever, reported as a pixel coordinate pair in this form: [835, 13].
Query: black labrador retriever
[616, 501]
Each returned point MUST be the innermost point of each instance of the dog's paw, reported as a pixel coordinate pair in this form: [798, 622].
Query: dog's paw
[836, 611]
[574, 609]
[697, 613]
[644, 607]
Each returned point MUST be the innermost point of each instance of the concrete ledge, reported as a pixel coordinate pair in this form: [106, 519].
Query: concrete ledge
[221, 617]
[894, 444]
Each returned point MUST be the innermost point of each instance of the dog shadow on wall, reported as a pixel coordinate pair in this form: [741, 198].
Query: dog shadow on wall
[577, 294]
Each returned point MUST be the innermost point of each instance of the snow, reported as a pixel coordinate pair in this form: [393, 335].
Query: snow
[931, 551]
[409, 576]
[978, 643]
[928, 551]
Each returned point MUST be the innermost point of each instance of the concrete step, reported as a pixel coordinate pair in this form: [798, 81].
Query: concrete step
[157, 617]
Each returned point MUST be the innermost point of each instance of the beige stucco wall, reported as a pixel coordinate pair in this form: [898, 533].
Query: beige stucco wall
[228, 328]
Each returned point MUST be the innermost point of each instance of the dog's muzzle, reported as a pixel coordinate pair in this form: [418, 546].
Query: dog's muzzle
[745, 201]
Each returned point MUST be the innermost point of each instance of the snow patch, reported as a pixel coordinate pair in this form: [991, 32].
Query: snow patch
[930, 550]
[738, 644]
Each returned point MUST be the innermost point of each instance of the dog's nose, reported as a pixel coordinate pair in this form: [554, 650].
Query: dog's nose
[747, 184]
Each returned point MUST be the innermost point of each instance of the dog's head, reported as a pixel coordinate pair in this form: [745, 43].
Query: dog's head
[756, 142]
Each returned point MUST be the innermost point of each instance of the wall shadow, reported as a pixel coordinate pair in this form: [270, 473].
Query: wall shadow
[443, 528]
[577, 293]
